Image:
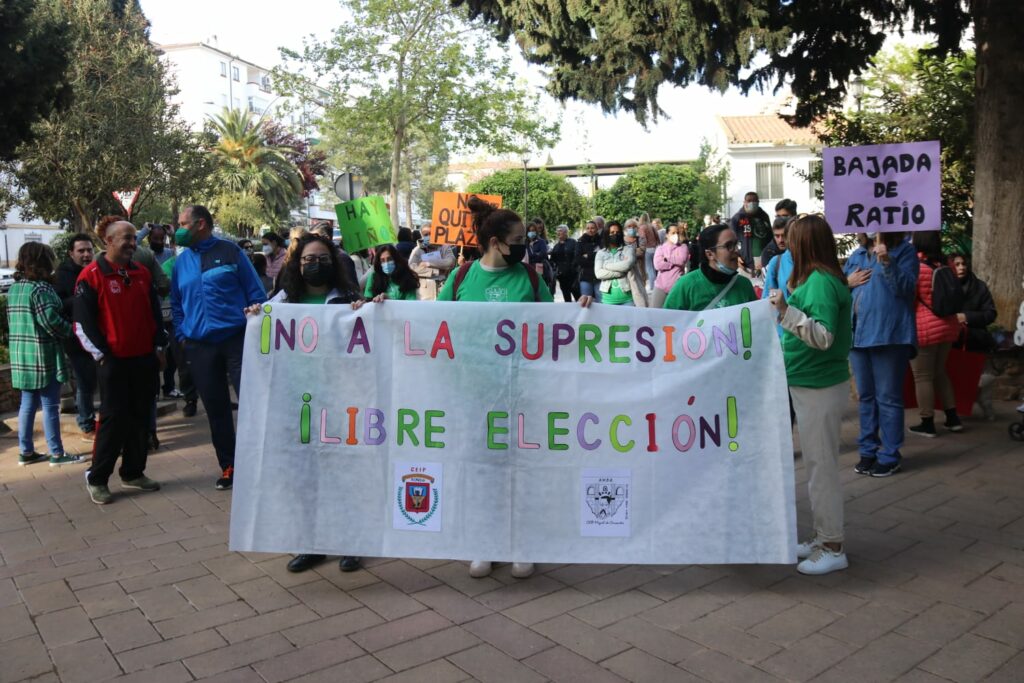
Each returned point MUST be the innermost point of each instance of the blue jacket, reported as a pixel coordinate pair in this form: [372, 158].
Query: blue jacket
[777, 279]
[212, 284]
[883, 307]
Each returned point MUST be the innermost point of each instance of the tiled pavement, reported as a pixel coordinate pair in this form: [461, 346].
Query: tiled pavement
[146, 590]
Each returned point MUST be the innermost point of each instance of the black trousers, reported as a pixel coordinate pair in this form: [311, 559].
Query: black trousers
[127, 389]
[212, 365]
[567, 283]
[176, 362]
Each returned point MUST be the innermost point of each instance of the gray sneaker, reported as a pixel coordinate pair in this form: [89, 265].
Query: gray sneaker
[99, 494]
[143, 483]
[66, 459]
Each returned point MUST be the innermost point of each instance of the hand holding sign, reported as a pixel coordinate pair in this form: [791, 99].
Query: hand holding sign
[452, 222]
[364, 223]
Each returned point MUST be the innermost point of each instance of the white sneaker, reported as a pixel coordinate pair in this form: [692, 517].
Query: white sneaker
[479, 569]
[804, 550]
[823, 561]
[522, 570]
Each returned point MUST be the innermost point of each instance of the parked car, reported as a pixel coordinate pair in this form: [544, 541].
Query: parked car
[6, 279]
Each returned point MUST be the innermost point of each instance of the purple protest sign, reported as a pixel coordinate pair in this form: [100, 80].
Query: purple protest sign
[883, 188]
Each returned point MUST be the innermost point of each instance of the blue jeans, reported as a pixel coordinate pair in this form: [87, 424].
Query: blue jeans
[49, 397]
[879, 372]
[84, 367]
[590, 288]
[649, 266]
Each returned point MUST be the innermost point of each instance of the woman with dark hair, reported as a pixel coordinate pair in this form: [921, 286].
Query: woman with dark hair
[617, 267]
[259, 262]
[882, 274]
[405, 243]
[274, 249]
[935, 337]
[313, 275]
[391, 277]
[717, 283]
[499, 275]
[38, 368]
[816, 348]
[586, 248]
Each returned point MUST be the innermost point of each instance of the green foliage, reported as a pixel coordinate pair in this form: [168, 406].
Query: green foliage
[912, 95]
[711, 189]
[618, 53]
[403, 73]
[548, 196]
[33, 66]
[664, 191]
[240, 213]
[61, 244]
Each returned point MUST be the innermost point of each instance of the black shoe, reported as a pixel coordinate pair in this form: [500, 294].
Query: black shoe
[190, 409]
[953, 422]
[348, 563]
[154, 441]
[864, 466]
[880, 470]
[926, 428]
[227, 479]
[301, 563]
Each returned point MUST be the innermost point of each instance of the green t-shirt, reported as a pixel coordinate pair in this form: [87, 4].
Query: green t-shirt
[615, 296]
[694, 291]
[393, 290]
[310, 298]
[827, 300]
[510, 284]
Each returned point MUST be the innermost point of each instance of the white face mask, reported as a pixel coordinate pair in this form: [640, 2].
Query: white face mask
[674, 238]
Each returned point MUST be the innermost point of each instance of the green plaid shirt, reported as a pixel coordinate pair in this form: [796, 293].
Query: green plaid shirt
[36, 330]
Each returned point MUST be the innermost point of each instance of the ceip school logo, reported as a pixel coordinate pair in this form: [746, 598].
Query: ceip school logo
[418, 496]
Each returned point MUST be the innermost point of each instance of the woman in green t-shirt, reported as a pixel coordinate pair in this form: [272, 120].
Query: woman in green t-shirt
[391, 277]
[618, 270]
[717, 283]
[816, 341]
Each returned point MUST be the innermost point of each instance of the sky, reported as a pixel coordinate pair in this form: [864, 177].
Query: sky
[254, 29]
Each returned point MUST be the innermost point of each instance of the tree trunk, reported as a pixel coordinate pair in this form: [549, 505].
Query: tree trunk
[396, 168]
[999, 139]
[408, 207]
[82, 214]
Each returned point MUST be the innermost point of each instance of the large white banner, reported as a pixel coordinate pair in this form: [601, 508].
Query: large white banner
[515, 432]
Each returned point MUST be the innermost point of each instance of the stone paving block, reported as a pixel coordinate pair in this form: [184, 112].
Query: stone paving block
[308, 659]
[400, 630]
[654, 640]
[109, 575]
[610, 610]
[166, 651]
[175, 672]
[387, 601]
[968, 658]
[548, 606]
[884, 659]
[581, 638]
[563, 666]
[48, 597]
[519, 592]
[452, 604]
[440, 671]
[8, 593]
[977, 598]
[1009, 672]
[794, 624]
[205, 591]
[162, 602]
[940, 624]
[126, 631]
[359, 670]
[404, 576]
[15, 623]
[752, 610]
[264, 594]
[427, 648]
[324, 598]
[573, 574]
[805, 589]
[332, 627]
[1005, 626]
[264, 624]
[233, 569]
[23, 658]
[103, 600]
[684, 581]
[807, 658]
[731, 641]
[237, 655]
[65, 627]
[277, 569]
[166, 577]
[204, 619]
[620, 580]
[684, 609]
[456, 575]
[866, 623]
[488, 664]
[511, 638]
[641, 667]
[84, 662]
[715, 666]
[141, 554]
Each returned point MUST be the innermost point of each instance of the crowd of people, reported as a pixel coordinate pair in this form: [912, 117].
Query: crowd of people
[130, 318]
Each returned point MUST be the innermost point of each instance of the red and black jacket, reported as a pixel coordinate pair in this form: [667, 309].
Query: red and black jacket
[117, 311]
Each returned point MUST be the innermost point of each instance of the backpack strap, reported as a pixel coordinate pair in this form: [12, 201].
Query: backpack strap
[534, 281]
[460, 275]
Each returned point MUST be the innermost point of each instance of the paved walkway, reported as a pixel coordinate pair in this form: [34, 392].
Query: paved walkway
[145, 589]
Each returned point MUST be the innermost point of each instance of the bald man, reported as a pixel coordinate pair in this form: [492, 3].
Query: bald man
[118, 321]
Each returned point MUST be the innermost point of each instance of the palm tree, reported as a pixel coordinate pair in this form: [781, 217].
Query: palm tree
[246, 164]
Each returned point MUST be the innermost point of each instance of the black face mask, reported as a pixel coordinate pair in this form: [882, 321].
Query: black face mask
[515, 254]
[615, 239]
[157, 248]
[317, 274]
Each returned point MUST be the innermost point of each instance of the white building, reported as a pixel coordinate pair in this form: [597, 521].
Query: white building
[209, 80]
[768, 156]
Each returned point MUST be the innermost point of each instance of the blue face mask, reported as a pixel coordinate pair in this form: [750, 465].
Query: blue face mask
[532, 235]
[388, 267]
[726, 269]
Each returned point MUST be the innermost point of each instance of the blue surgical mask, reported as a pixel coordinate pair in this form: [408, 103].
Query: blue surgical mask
[388, 267]
[631, 233]
[532, 235]
[426, 241]
[726, 269]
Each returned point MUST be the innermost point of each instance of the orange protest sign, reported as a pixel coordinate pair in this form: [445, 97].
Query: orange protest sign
[452, 222]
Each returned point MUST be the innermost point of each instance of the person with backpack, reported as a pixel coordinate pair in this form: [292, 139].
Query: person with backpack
[498, 276]
[939, 299]
[882, 275]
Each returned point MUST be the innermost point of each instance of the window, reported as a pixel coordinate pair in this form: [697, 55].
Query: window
[252, 105]
[265, 83]
[235, 74]
[224, 69]
[224, 101]
[769, 181]
[814, 177]
[236, 104]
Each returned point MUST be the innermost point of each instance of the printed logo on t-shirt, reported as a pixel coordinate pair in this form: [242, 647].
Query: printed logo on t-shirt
[496, 294]
[115, 286]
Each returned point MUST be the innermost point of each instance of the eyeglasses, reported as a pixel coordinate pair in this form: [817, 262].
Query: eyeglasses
[123, 274]
[729, 246]
[310, 259]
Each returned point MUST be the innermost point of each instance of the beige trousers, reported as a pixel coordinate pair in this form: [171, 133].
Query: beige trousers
[819, 413]
[930, 376]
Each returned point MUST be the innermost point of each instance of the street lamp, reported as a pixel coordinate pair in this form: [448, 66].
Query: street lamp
[525, 159]
[857, 90]
[7, 254]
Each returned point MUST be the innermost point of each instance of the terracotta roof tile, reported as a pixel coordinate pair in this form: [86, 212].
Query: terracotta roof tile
[765, 129]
